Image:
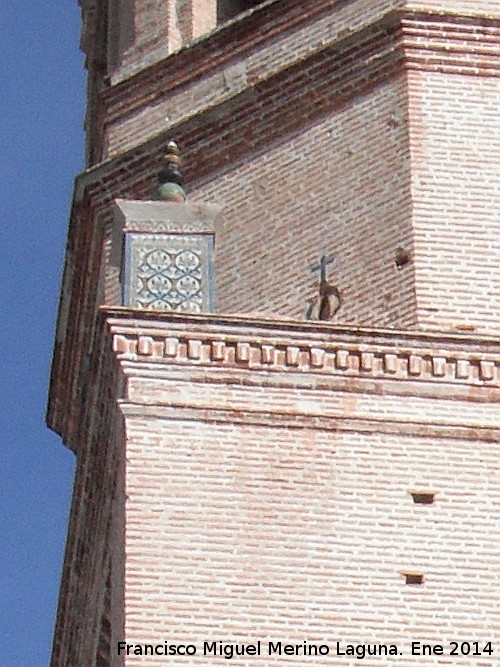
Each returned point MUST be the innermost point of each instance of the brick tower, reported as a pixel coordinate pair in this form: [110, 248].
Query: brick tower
[282, 390]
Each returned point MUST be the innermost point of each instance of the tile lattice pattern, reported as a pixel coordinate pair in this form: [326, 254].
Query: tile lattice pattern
[169, 280]
[167, 273]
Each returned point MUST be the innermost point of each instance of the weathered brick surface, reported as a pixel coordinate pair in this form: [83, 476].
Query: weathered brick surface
[252, 448]
[237, 152]
[87, 556]
[326, 195]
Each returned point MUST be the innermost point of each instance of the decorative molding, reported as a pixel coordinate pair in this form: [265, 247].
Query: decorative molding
[352, 356]
[167, 217]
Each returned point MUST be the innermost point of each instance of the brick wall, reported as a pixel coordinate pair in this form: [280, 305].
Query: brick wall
[87, 557]
[252, 532]
[455, 149]
[264, 487]
[236, 57]
[340, 185]
[278, 505]
[316, 155]
[145, 31]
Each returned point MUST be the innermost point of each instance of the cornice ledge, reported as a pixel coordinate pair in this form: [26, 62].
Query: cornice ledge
[260, 344]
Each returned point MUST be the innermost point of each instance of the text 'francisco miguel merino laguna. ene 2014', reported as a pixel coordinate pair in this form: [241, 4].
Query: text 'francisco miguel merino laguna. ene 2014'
[229, 651]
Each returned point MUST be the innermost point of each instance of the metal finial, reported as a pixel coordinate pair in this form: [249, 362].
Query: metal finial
[171, 177]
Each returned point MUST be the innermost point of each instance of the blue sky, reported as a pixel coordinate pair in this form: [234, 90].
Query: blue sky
[42, 106]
